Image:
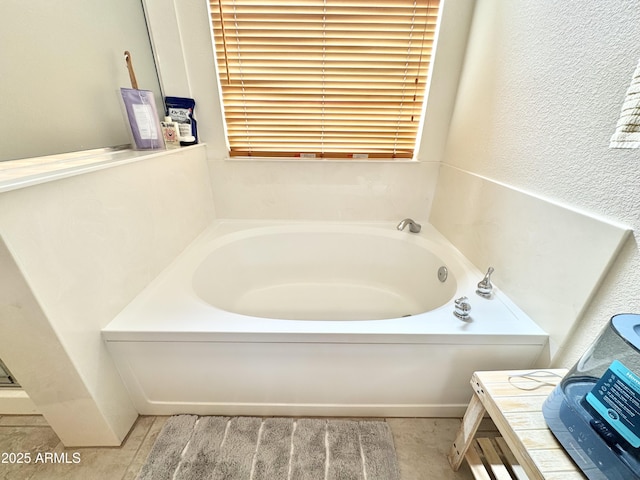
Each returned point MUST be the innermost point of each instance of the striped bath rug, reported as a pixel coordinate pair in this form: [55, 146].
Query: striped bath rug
[190, 447]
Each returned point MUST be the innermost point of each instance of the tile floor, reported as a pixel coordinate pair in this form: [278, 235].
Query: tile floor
[421, 446]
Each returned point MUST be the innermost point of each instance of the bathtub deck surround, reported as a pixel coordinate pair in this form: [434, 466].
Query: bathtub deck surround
[228, 350]
[549, 258]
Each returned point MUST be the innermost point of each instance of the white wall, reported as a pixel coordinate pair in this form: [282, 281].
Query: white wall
[62, 68]
[73, 253]
[323, 190]
[539, 98]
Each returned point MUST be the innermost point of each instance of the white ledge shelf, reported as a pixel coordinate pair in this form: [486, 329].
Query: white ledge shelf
[15, 174]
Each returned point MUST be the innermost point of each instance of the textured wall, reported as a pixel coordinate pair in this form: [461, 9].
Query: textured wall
[539, 98]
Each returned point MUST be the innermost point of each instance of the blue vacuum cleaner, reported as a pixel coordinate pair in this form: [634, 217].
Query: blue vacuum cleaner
[595, 410]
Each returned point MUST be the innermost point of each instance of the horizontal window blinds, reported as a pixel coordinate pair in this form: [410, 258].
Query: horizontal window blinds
[323, 78]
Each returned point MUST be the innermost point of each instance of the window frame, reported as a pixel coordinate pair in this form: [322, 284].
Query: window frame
[353, 74]
[181, 37]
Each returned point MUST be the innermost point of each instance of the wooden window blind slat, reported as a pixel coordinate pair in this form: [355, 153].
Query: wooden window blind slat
[323, 77]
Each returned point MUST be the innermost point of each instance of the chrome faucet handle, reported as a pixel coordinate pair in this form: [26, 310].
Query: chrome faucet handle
[461, 308]
[485, 287]
[413, 226]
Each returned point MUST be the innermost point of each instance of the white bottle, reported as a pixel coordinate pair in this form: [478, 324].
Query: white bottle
[185, 133]
[170, 133]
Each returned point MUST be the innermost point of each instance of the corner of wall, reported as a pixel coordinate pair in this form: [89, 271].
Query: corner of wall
[35, 355]
[444, 77]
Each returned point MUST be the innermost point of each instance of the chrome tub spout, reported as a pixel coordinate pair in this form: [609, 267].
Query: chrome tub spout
[413, 226]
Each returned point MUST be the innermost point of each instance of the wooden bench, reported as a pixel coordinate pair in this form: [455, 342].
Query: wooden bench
[526, 448]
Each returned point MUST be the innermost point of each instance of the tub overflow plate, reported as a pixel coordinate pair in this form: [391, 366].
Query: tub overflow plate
[443, 273]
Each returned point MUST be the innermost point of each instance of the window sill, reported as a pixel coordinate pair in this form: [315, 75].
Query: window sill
[319, 160]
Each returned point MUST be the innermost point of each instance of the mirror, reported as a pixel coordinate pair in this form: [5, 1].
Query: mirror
[62, 67]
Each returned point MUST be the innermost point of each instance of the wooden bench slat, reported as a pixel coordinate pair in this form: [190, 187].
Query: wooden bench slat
[493, 459]
[475, 464]
[525, 420]
[517, 469]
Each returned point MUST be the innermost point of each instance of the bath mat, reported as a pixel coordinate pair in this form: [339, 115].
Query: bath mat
[251, 448]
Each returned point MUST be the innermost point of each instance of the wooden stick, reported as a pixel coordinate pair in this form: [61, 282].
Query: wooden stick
[132, 75]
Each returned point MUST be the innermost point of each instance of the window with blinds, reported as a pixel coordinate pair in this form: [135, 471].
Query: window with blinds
[323, 78]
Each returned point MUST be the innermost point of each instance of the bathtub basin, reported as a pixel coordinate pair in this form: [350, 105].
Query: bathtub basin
[319, 273]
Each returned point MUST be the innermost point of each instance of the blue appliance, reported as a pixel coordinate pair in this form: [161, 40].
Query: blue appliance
[594, 412]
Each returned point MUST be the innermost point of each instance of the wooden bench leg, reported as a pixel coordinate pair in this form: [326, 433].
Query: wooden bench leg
[464, 438]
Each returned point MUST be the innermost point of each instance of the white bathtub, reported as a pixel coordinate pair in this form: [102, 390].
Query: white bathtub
[260, 318]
